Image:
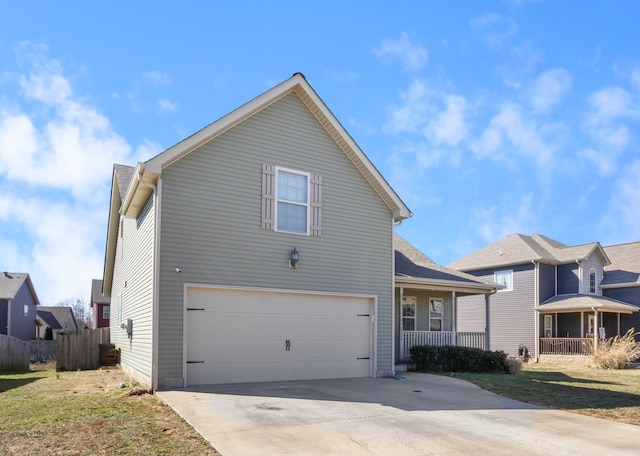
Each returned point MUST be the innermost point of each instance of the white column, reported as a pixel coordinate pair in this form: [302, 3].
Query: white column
[596, 331]
[454, 317]
[487, 322]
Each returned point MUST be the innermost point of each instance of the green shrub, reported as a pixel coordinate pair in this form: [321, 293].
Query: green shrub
[449, 358]
[48, 333]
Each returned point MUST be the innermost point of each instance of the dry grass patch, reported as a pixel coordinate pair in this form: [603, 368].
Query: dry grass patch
[87, 413]
[617, 352]
[573, 386]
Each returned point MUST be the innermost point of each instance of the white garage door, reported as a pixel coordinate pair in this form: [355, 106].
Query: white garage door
[238, 336]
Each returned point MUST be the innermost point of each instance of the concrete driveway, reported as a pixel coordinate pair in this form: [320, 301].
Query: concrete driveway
[423, 415]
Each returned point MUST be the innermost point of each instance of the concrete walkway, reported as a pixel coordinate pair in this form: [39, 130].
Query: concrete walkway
[424, 415]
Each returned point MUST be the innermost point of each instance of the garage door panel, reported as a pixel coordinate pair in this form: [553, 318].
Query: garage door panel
[241, 336]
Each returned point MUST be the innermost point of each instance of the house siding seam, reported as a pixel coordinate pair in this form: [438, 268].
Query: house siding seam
[210, 225]
[132, 280]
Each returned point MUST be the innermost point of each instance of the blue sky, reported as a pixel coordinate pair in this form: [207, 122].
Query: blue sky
[488, 118]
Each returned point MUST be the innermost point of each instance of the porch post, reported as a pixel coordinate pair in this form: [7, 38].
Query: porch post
[454, 316]
[581, 323]
[487, 323]
[618, 324]
[400, 329]
[596, 331]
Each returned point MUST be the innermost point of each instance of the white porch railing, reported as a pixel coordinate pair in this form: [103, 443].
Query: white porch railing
[410, 339]
[566, 346]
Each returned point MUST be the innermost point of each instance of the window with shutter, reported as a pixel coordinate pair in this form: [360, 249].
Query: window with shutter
[291, 201]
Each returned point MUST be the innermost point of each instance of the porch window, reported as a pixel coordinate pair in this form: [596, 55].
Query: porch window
[435, 314]
[504, 278]
[409, 313]
[548, 326]
[592, 281]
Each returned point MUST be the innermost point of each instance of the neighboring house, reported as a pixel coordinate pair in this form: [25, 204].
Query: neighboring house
[18, 301]
[428, 295]
[556, 298]
[258, 249]
[58, 318]
[100, 306]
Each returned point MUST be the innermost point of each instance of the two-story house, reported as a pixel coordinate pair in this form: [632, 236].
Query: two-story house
[258, 249]
[557, 299]
[18, 305]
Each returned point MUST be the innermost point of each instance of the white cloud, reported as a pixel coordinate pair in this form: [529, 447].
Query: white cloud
[156, 78]
[549, 88]
[413, 56]
[606, 125]
[437, 116]
[512, 215]
[622, 221]
[510, 134]
[56, 159]
[449, 127]
[495, 28]
[166, 105]
[635, 79]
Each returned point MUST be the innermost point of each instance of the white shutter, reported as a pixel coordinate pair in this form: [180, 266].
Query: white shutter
[268, 196]
[316, 204]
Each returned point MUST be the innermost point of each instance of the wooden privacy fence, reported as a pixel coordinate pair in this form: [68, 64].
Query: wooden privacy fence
[80, 349]
[14, 354]
[42, 351]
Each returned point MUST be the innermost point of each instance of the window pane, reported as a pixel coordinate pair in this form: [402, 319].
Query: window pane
[436, 324]
[435, 308]
[408, 310]
[292, 217]
[408, 324]
[292, 187]
[504, 278]
[105, 312]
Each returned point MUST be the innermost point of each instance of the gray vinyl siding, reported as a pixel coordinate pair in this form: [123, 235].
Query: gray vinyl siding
[133, 281]
[211, 225]
[592, 262]
[23, 326]
[471, 313]
[630, 295]
[547, 281]
[568, 282]
[512, 315]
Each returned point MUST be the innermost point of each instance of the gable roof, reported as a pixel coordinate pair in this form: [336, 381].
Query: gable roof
[11, 282]
[578, 302]
[520, 249]
[624, 269]
[141, 180]
[55, 316]
[413, 267]
[96, 293]
[149, 171]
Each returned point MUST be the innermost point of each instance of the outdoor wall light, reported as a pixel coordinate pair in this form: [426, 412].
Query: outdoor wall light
[177, 269]
[293, 260]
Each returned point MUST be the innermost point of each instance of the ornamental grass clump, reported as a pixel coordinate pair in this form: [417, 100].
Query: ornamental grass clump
[617, 352]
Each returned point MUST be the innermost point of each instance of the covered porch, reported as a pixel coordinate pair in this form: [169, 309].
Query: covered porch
[572, 325]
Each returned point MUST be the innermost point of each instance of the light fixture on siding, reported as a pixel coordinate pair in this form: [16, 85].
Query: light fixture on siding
[293, 260]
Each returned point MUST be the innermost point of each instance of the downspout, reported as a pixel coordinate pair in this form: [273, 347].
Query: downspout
[487, 319]
[9, 316]
[394, 223]
[155, 277]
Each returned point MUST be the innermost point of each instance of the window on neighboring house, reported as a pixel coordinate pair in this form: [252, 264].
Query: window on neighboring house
[504, 278]
[409, 313]
[291, 200]
[548, 326]
[105, 312]
[435, 314]
[26, 310]
[592, 281]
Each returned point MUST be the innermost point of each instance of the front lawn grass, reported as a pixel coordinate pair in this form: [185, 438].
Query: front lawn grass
[87, 413]
[573, 386]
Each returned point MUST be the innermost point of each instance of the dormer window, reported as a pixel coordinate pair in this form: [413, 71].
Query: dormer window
[592, 281]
